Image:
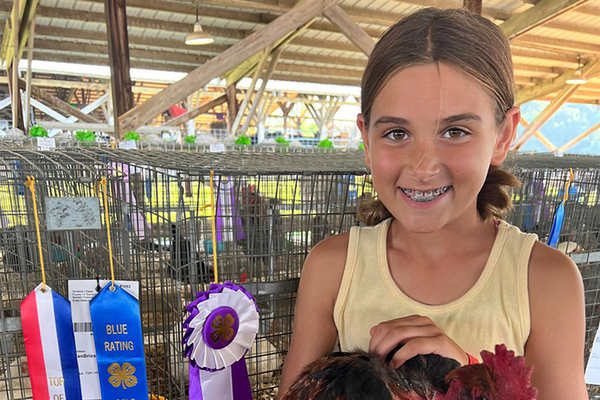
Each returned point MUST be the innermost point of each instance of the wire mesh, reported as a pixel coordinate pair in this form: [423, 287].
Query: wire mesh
[271, 208]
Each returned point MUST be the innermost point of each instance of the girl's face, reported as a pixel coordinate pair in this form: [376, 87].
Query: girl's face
[431, 139]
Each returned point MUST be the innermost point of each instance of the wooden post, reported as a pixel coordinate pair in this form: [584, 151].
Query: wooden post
[232, 105]
[118, 54]
[13, 71]
[28, 77]
[286, 108]
[473, 5]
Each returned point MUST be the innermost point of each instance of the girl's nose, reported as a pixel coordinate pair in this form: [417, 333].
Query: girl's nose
[425, 162]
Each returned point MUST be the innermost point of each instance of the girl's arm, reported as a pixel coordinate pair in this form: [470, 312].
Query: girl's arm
[555, 346]
[315, 333]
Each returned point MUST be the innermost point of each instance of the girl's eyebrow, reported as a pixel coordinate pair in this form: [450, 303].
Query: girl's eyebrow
[386, 119]
[462, 117]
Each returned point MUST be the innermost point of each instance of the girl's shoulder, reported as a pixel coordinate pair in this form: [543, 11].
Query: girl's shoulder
[555, 287]
[550, 268]
[324, 267]
[330, 253]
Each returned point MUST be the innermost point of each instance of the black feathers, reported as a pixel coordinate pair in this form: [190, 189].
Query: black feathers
[185, 264]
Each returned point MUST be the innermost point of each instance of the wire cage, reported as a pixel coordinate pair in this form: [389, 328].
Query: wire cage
[271, 207]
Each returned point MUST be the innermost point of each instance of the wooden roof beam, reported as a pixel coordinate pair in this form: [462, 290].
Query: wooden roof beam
[351, 29]
[201, 109]
[542, 12]
[242, 50]
[552, 85]
[544, 116]
[56, 103]
[570, 45]
[539, 136]
[88, 16]
[578, 138]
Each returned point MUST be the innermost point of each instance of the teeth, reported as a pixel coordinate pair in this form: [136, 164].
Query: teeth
[429, 195]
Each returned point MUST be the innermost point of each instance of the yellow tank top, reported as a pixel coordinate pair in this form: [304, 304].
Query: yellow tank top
[495, 310]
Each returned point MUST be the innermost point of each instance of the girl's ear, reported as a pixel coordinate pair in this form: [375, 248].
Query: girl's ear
[360, 122]
[506, 135]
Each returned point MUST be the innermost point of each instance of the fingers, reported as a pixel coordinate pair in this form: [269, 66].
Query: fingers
[414, 347]
[387, 335]
[418, 334]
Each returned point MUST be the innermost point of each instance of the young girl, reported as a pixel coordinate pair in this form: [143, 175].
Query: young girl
[437, 269]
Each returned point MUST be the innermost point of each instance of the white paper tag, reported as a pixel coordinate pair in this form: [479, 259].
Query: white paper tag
[45, 143]
[217, 148]
[128, 144]
[592, 370]
[80, 294]
[72, 213]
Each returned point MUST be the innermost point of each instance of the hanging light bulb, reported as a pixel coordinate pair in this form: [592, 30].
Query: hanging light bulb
[198, 36]
[578, 78]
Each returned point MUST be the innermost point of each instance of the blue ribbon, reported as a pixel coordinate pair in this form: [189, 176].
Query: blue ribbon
[557, 225]
[117, 327]
[66, 346]
[560, 214]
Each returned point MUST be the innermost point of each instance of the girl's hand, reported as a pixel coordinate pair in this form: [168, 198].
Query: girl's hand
[418, 334]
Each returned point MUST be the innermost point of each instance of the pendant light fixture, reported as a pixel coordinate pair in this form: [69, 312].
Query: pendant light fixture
[578, 78]
[198, 36]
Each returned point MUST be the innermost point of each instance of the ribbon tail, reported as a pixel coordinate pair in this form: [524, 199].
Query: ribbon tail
[241, 382]
[33, 347]
[195, 388]
[556, 226]
[66, 346]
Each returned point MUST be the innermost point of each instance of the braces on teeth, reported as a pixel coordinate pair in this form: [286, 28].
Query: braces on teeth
[429, 195]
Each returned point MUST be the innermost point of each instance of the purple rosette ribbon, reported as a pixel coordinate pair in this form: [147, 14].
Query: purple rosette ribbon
[219, 331]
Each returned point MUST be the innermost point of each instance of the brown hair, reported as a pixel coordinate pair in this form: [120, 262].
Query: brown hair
[472, 45]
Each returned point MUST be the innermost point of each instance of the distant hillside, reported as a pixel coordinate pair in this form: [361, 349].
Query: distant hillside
[568, 122]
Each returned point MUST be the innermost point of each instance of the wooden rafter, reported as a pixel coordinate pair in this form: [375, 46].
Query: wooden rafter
[539, 136]
[242, 50]
[250, 91]
[58, 104]
[261, 90]
[353, 32]
[544, 116]
[542, 12]
[546, 87]
[578, 138]
[201, 109]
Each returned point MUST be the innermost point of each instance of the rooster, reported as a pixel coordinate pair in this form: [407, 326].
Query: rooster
[362, 376]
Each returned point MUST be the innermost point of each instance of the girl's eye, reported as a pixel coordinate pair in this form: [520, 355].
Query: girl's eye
[455, 133]
[396, 134]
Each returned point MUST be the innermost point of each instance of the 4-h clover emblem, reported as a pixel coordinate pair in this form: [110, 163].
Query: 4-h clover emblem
[122, 375]
[223, 328]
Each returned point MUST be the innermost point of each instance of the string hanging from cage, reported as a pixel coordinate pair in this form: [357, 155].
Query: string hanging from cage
[211, 205]
[102, 183]
[31, 185]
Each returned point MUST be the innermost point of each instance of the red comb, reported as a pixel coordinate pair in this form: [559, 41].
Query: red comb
[512, 377]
